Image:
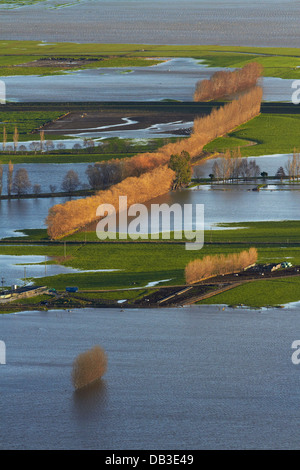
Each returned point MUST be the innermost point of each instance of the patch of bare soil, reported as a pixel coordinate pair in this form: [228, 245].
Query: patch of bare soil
[61, 62]
[89, 121]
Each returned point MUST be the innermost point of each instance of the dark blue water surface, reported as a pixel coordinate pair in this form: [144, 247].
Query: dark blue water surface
[187, 378]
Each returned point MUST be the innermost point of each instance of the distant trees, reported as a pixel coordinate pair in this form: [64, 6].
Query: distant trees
[89, 144]
[4, 138]
[10, 178]
[70, 182]
[293, 166]
[224, 83]
[104, 174]
[60, 146]
[1, 178]
[49, 145]
[42, 140]
[34, 146]
[211, 266]
[77, 146]
[37, 189]
[232, 166]
[16, 139]
[21, 183]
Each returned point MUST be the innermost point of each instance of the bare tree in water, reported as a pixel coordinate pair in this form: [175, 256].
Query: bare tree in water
[16, 139]
[4, 138]
[10, 178]
[1, 178]
[21, 183]
[71, 182]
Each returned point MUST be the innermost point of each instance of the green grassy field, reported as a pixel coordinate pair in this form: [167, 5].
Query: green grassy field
[138, 264]
[26, 122]
[59, 158]
[287, 231]
[259, 294]
[266, 134]
[277, 62]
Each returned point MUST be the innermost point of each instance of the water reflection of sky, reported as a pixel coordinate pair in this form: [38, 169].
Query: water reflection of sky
[267, 163]
[173, 79]
[19, 269]
[231, 203]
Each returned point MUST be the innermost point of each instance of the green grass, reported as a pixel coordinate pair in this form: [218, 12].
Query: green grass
[287, 231]
[277, 62]
[25, 121]
[18, 3]
[137, 263]
[283, 232]
[269, 134]
[140, 263]
[60, 158]
[259, 294]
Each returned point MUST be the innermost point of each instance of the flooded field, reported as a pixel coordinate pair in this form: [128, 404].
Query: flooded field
[222, 203]
[22, 269]
[173, 79]
[25, 214]
[266, 163]
[260, 23]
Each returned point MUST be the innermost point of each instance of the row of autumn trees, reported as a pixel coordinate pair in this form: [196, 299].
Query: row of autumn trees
[206, 129]
[226, 83]
[154, 170]
[217, 265]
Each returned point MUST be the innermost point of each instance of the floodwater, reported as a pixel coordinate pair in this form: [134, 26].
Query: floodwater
[266, 163]
[172, 79]
[18, 214]
[21, 269]
[222, 204]
[238, 22]
[47, 174]
[187, 379]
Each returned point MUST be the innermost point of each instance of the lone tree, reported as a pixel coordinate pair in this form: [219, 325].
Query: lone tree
[264, 175]
[21, 183]
[71, 182]
[37, 189]
[10, 178]
[1, 178]
[181, 164]
[16, 139]
[280, 173]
